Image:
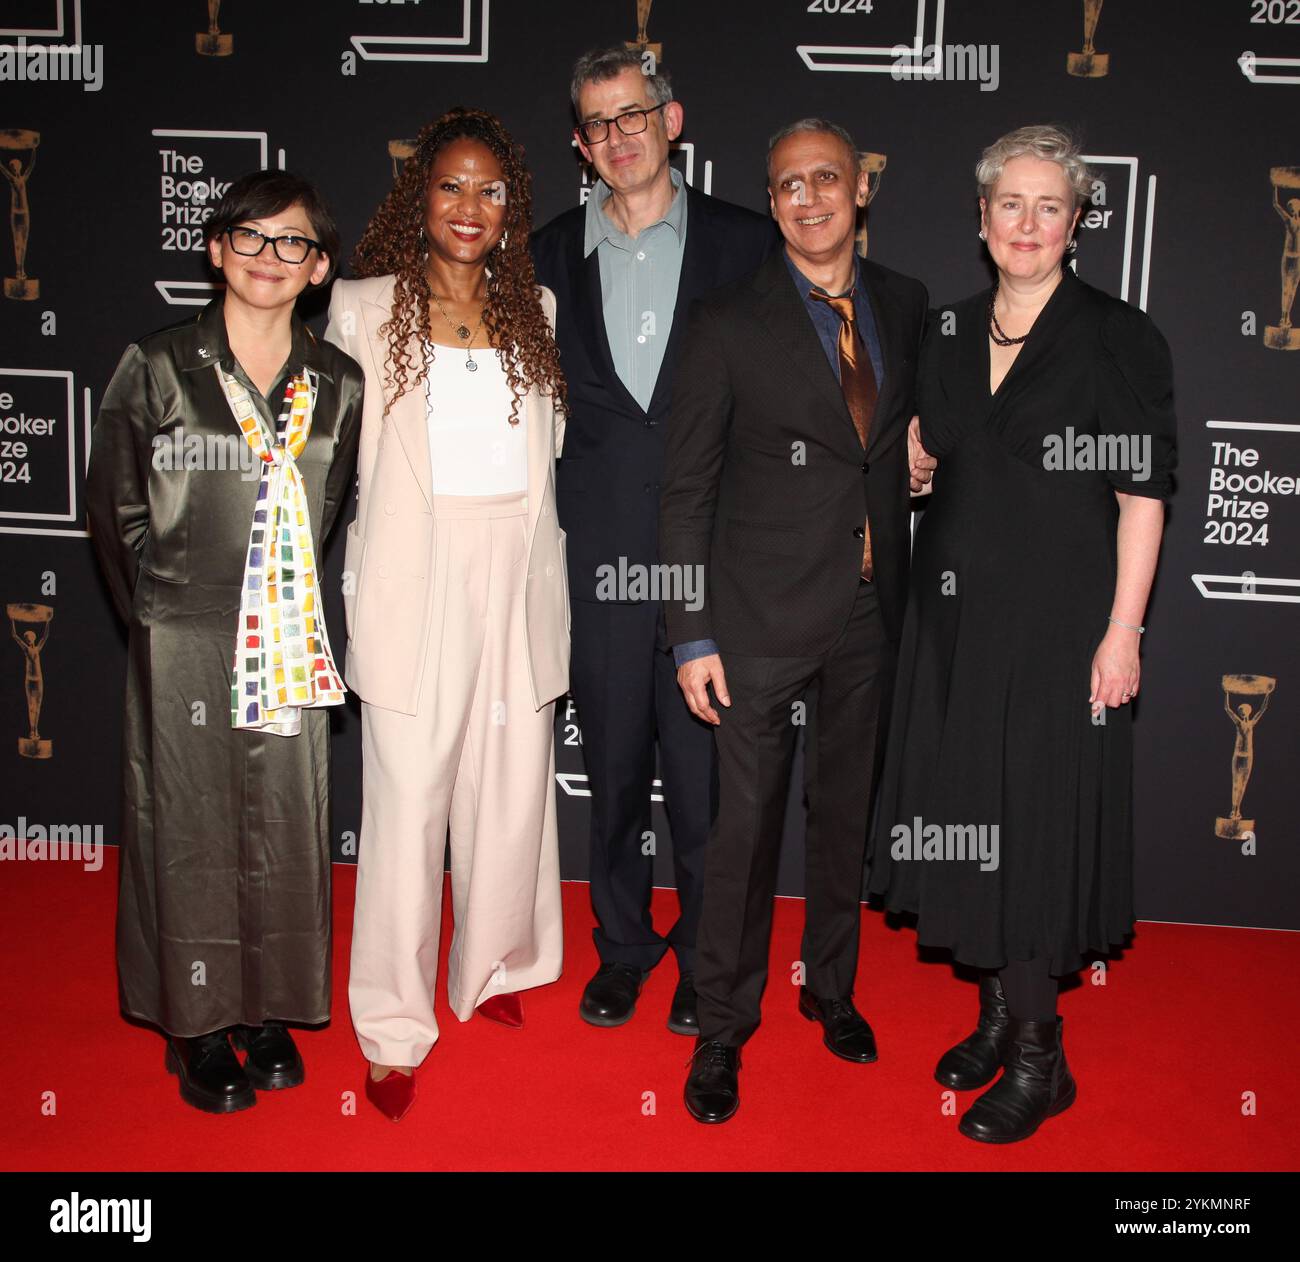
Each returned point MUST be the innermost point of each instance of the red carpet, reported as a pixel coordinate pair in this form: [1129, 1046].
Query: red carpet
[1189, 1021]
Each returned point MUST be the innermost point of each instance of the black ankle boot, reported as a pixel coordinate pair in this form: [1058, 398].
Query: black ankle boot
[211, 1077]
[273, 1060]
[977, 1058]
[1036, 1084]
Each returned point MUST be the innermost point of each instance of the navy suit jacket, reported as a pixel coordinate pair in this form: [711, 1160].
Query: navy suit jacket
[609, 479]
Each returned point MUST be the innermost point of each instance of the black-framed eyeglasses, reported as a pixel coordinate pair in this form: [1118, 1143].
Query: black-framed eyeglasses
[288, 249]
[630, 122]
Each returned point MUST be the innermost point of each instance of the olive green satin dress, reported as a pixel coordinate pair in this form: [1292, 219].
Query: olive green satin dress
[224, 895]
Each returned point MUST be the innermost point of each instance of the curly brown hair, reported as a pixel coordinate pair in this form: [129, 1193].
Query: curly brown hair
[392, 243]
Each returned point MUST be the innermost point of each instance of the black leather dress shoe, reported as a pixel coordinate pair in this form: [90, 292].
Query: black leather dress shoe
[273, 1061]
[975, 1061]
[847, 1033]
[210, 1075]
[681, 1016]
[610, 997]
[713, 1086]
[1036, 1084]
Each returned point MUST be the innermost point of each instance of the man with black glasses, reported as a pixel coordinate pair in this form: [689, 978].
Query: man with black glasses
[624, 269]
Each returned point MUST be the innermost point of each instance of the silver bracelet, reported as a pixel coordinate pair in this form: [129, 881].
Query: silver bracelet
[1128, 625]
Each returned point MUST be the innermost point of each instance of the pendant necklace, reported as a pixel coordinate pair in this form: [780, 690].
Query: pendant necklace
[462, 332]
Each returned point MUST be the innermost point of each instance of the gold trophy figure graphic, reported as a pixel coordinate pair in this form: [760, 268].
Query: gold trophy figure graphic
[1089, 64]
[399, 151]
[642, 40]
[1281, 336]
[15, 140]
[1244, 717]
[874, 165]
[32, 618]
[212, 43]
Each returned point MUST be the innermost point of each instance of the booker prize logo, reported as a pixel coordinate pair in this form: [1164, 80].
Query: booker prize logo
[1254, 692]
[195, 168]
[30, 627]
[397, 43]
[1089, 64]
[17, 157]
[1286, 183]
[212, 43]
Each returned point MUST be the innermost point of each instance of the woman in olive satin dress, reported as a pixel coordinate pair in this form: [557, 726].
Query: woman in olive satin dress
[223, 925]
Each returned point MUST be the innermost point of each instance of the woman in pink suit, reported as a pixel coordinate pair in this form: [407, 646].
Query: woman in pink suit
[456, 597]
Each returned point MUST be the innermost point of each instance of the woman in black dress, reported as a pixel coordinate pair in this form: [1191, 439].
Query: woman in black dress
[1005, 818]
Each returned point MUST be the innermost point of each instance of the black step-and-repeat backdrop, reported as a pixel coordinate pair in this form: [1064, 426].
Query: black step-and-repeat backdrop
[121, 122]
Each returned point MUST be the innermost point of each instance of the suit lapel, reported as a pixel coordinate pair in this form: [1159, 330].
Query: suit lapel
[540, 419]
[408, 416]
[885, 313]
[783, 313]
[592, 318]
[698, 275]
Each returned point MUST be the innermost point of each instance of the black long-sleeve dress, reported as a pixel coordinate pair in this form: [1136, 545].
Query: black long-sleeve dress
[224, 887]
[1013, 577]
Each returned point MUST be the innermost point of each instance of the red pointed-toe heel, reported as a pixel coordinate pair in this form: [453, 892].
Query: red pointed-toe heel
[393, 1094]
[504, 1009]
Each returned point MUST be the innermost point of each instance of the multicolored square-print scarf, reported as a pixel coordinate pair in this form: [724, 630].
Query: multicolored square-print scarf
[283, 662]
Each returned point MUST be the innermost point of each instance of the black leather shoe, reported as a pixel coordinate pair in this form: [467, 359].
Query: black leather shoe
[975, 1061]
[847, 1033]
[273, 1061]
[210, 1074]
[610, 996]
[1036, 1084]
[713, 1087]
[681, 1016]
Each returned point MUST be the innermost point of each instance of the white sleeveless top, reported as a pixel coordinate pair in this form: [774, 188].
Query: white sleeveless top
[473, 448]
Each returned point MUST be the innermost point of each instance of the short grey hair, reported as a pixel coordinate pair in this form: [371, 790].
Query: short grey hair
[1052, 144]
[601, 64]
[822, 125]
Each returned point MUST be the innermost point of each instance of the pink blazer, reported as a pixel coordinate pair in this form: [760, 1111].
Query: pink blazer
[388, 593]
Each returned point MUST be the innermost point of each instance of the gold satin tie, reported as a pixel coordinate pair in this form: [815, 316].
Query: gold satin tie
[858, 383]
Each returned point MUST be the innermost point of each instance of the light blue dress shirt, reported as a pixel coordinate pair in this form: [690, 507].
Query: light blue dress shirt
[638, 285]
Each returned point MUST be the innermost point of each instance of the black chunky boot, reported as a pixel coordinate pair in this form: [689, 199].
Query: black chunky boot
[211, 1077]
[1036, 1084]
[273, 1060]
[976, 1060]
